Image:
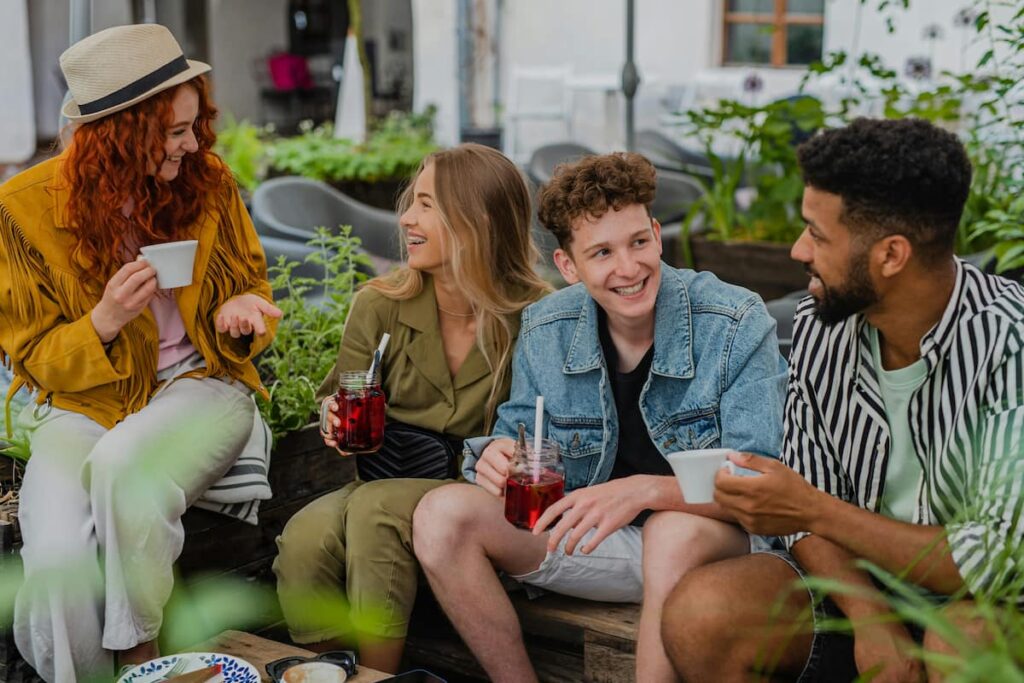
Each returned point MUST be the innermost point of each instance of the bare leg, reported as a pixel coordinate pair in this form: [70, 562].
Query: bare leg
[384, 654]
[976, 631]
[143, 652]
[727, 620]
[674, 544]
[458, 532]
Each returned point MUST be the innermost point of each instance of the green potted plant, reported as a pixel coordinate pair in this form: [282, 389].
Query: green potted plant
[373, 171]
[310, 330]
[747, 241]
[242, 146]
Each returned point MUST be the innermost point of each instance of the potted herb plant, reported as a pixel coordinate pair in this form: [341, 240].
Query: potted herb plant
[373, 171]
[745, 233]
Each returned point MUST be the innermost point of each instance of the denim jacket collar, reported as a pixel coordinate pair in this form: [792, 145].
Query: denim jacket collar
[672, 324]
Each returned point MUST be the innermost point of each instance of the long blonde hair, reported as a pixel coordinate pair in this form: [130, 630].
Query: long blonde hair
[484, 205]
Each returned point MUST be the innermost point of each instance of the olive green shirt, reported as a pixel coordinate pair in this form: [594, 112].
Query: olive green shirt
[420, 391]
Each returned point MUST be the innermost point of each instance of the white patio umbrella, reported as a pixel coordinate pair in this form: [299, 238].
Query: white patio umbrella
[350, 115]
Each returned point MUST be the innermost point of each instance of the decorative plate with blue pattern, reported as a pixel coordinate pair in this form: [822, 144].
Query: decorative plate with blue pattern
[233, 669]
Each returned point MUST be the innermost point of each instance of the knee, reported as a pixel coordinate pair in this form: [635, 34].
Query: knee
[676, 542]
[441, 522]
[694, 620]
[116, 464]
[309, 547]
[386, 502]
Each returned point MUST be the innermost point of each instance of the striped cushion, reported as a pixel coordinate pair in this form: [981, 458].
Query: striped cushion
[239, 492]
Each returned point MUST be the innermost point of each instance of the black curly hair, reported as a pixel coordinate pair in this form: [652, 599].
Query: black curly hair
[904, 176]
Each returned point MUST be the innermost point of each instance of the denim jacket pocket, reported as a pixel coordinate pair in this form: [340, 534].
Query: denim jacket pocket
[689, 432]
[579, 440]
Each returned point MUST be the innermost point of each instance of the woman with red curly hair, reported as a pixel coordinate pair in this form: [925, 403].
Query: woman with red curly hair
[143, 395]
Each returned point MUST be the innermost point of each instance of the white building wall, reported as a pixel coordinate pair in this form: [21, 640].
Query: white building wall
[241, 34]
[49, 35]
[678, 52]
[435, 56]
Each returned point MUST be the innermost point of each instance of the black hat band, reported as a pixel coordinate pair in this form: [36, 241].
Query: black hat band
[138, 87]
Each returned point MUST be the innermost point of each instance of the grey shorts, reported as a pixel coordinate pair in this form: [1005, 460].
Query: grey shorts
[613, 572]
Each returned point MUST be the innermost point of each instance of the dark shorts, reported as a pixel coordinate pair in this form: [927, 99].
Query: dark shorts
[831, 659]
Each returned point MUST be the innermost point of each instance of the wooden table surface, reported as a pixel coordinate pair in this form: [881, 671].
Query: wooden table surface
[259, 651]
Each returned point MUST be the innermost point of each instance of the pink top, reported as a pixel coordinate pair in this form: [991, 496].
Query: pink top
[175, 346]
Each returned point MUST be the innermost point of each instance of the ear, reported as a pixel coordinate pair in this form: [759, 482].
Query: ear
[566, 266]
[892, 254]
[656, 229]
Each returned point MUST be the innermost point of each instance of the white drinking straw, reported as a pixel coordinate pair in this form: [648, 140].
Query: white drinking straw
[538, 428]
[383, 344]
[378, 355]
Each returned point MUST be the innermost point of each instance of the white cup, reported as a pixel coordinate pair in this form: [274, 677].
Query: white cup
[172, 261]
[695, 471]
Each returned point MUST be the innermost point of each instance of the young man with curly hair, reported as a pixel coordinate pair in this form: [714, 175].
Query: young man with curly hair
[903, 424]
[635, 360]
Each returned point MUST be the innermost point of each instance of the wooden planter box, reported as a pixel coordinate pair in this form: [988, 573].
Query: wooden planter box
[382, 194]
[761, 267]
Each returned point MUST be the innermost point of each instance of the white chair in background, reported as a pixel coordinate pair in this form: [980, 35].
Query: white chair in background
[536, 94]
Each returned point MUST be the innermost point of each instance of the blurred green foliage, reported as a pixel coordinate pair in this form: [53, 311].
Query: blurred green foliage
[309, 333]
[393, 150]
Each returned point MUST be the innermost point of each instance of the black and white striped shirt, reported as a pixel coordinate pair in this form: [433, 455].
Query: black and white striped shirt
[966, 421]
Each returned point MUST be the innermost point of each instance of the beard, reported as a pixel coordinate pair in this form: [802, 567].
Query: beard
[851, 297]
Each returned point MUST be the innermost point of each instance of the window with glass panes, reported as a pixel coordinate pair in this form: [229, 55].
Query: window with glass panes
[773, 32]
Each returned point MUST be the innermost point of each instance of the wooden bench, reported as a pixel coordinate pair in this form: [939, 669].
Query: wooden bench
[567, 640]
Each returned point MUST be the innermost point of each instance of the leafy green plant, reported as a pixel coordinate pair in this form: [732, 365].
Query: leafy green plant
[764, 134]
[309, 334]
[985, 104]
[243, 147]
[392, 151]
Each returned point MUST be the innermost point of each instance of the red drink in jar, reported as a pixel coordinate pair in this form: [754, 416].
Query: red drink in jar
[526, 499]
[534, 482]
[360, 407]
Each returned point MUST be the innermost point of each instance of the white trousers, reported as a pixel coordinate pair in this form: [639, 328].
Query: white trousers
[100, 515]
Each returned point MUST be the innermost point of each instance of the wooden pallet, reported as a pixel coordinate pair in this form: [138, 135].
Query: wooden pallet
[569, 640]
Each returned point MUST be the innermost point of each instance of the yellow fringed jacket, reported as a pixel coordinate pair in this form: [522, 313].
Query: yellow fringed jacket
[46, 334]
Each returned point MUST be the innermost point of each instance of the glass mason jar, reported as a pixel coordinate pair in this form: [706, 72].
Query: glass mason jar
[534, 482]
[360, 407]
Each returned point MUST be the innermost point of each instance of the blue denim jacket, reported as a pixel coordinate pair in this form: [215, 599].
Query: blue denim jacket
[717, 378]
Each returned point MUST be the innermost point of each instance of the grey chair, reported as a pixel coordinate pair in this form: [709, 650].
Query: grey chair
[783, 310]
[293, 250]
[545, 158]
[664, 152]
[291, 207]
[676, 193]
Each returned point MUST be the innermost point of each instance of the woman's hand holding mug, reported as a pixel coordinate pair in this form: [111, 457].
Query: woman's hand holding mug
[127, 293]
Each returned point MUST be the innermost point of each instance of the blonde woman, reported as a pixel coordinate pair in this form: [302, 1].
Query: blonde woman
[453, 319]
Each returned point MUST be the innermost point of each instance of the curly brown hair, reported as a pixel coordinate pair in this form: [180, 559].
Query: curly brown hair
[591, 186]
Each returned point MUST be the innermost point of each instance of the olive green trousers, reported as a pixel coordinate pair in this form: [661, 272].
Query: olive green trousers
[345, 566]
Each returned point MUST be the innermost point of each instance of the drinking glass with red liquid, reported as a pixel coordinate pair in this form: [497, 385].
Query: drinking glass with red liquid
[534, 482]
[360, 407]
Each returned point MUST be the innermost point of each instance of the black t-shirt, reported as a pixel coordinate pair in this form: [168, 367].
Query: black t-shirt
[636, 453]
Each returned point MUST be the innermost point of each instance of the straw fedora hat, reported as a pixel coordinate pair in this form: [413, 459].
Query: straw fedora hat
[115, 68]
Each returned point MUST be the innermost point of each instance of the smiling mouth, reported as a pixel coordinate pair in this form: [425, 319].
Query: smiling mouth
[632, 289]
[415, 241]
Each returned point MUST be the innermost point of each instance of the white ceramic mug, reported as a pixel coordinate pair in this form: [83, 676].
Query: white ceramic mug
[695, 471]
[172, 261]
